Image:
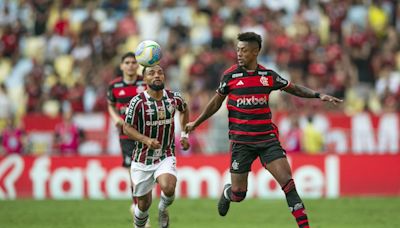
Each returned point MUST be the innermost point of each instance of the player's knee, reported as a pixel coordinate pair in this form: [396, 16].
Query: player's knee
[238, 196]
[168, 190]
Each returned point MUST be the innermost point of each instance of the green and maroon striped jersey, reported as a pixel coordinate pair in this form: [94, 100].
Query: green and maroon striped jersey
[155, 119]
[248, 109]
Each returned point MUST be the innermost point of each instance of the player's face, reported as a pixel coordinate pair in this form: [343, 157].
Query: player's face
[154, 77]
[129, 66]
[246, 53]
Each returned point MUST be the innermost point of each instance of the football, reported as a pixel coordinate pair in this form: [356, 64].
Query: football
[148, 53]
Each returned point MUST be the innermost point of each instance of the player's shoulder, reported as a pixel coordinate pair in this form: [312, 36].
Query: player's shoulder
[171, 93]
[232, 70]
[117, 82]
[137, 99]
[262, 68]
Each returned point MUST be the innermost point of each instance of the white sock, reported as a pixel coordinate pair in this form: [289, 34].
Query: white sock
[165, 201]
[140, 217]
[226, 193]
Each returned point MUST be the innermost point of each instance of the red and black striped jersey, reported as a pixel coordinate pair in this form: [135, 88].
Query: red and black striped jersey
[119, 93]
[248, 95]
[155, 119]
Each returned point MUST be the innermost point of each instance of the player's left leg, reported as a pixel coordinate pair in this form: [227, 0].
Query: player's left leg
[280, 169]
[273, 158]
[166, 178]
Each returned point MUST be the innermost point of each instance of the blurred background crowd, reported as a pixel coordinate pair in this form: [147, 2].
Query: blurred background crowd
[61, 54]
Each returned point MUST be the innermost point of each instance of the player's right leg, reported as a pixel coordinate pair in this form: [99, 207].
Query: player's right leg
[241, 160]
[141, 213]
[142, 183]
[127, 147]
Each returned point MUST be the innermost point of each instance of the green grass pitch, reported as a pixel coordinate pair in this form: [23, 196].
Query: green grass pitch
[185, 213]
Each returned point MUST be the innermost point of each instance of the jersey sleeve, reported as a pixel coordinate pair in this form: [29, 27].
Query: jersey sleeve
[279, 82]
[180, 102]
[223, 88]
[110, 95]
[133, 111]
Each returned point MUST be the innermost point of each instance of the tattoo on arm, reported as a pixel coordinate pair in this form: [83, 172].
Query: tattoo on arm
[301, 91]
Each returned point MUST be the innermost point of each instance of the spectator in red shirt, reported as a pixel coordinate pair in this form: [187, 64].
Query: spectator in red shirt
[13, 140]
[67, 135]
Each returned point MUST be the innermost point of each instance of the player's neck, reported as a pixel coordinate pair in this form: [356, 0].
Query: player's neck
[155, 94]
[251, 67]
[129, 79]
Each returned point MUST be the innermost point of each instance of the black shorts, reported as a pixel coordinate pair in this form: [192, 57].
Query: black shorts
[127, 146]
[243, 155]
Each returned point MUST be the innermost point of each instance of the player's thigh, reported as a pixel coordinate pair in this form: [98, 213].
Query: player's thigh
[269, 152]
[142, 179]
[280, 169]
[127, 147]
[242, 157]
[273, 158]
[239, 182]
[166, 175]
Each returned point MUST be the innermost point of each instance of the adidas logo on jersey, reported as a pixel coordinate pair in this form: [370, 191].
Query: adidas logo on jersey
[240, 83]
[121, 92]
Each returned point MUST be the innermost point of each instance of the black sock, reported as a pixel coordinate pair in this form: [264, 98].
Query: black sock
[295, 204]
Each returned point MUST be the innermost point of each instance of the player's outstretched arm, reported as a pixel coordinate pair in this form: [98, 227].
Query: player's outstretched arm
[132, 133]
[305, 92]
[211, 108]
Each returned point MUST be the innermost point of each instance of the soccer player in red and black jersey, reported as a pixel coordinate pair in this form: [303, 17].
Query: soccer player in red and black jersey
[120, 91]
[247, 86]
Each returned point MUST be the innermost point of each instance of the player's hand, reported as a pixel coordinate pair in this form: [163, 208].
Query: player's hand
[120, 123]
[334, 100]
[185, 143]
[190, 127]
[153, 143]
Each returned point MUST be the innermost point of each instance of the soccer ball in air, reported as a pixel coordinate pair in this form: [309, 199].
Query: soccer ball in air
[148, 53]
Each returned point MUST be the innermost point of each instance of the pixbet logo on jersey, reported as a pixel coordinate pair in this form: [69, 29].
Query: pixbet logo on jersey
[247, 101]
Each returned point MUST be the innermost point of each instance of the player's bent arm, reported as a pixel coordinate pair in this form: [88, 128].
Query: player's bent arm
[184, 117]
[132, 133]
[115, 115]
[212, 107]
[302, 91]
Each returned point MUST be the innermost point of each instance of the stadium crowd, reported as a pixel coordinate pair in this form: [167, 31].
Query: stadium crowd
[63, 53]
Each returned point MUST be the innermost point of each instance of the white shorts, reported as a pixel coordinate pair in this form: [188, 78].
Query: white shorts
[144, 176]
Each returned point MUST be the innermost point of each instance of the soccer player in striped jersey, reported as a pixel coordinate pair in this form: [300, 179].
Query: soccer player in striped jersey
[247, 85]
[120, 91]
[150, 122]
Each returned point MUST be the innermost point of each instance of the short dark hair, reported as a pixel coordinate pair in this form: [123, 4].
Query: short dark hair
[127, 55]
[250, 37]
